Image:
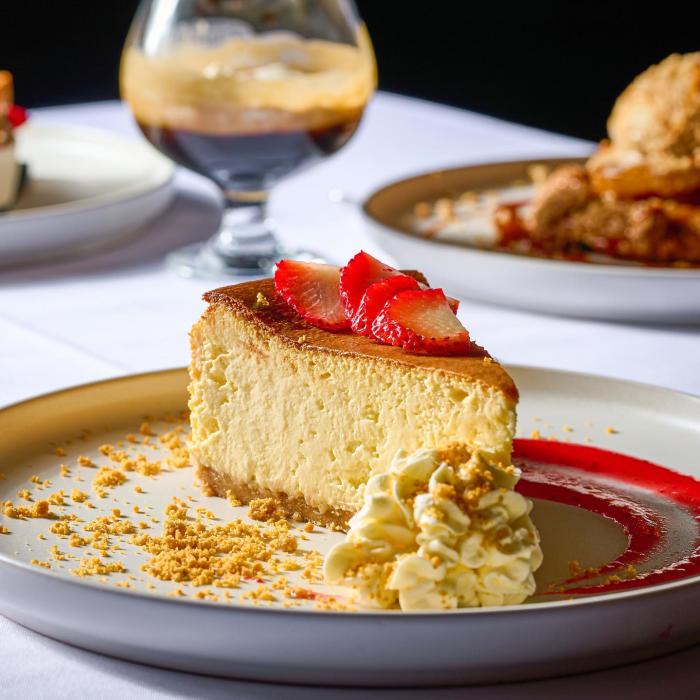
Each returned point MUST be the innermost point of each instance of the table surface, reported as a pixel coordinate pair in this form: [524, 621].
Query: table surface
[121, 312]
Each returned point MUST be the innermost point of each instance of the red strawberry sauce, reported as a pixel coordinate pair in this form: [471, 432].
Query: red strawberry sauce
[658, 509]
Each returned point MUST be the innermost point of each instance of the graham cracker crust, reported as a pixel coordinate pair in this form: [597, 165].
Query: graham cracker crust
[293, 507]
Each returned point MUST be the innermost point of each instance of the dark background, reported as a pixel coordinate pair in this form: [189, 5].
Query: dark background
[558, 66]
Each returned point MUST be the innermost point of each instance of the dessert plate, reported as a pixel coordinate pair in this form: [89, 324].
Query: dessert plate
[86, 189]
[620, 537]
[605, 290]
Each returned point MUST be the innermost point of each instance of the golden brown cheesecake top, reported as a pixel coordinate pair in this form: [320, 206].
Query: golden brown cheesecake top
[259, 303]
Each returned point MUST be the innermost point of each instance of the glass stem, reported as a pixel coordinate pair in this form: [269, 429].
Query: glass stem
[245, 235]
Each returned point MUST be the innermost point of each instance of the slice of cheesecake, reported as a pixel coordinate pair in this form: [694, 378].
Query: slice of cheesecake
[282, 409]
[12, 173]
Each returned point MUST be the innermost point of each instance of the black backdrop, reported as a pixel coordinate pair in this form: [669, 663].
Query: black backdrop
[553, 65]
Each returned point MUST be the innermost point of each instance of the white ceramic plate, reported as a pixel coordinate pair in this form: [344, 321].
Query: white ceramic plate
[144, 623]
[619, 292]
[86, 189]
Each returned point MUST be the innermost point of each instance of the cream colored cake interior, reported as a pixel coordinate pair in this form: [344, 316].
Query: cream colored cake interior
[318, 424]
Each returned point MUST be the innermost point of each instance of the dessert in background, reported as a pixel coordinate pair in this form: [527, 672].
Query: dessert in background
[306, 387]
[637, 198]
[11, 116]
[654, 134]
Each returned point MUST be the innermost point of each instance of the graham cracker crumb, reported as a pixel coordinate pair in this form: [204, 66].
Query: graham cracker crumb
[57, 554]
[79, 496]
[575, 568]
[57, 498]
[193, 546]
[264, 509]
[233, 501]
[262, 592]
[39, 510]
[107, 478]
[218, 555]
[93, 566]
[61, 528]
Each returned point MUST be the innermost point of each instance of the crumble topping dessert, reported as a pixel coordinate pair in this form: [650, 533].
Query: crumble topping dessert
[654, 133]
[441, 529]
[636, 199]
[567, 214]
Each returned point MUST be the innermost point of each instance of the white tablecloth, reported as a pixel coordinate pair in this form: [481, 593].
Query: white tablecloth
[121, 312]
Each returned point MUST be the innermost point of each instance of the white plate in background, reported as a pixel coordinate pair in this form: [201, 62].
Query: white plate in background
[613, 290]
[86, 189]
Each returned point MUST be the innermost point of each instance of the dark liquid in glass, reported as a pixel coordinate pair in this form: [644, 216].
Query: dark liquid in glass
[248, 161]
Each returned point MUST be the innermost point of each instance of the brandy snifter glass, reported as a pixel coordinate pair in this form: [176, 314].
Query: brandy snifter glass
[246, 92]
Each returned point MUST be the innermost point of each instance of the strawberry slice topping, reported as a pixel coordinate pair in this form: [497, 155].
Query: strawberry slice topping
[17, 115]
[374, 299]
[313, 291]
[423, 322]
[362, 271]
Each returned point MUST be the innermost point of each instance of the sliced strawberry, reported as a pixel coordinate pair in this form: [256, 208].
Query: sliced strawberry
[421, 321]
[423, 284]
[17, 115]
[454, 303]
[357, 275]
[374, 298]
[313, 291]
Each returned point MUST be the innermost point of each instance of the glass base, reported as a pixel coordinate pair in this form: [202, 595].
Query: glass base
[201, 260]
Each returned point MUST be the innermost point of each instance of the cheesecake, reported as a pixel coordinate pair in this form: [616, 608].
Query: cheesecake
[284, 409]
[12, 173]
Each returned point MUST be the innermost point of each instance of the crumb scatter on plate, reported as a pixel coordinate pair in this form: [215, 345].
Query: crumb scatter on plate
[240, 555]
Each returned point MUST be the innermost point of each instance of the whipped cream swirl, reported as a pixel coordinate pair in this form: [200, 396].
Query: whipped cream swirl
[439, 530]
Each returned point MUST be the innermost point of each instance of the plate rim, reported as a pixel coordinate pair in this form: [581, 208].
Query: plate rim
[563, 265]
[158, 181]
[235, 608]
